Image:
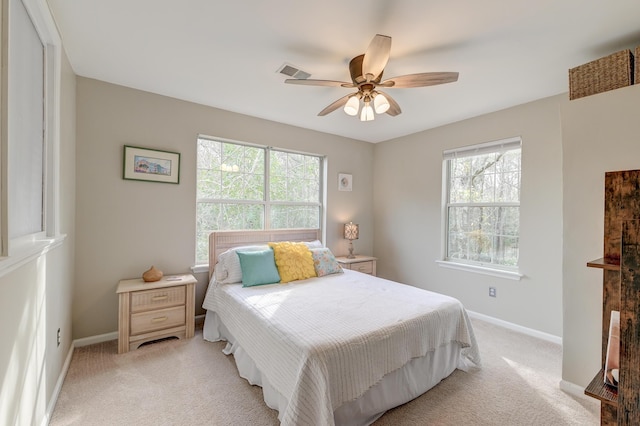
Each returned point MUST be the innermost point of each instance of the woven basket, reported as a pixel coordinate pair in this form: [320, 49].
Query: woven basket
[608, 73]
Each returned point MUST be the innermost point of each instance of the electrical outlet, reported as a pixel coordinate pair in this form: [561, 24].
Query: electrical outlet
[492, 291]
[58, 337]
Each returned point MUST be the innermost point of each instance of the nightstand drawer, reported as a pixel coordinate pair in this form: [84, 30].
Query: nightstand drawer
[157, 320]
[364, 264]
[157, 299]
[364, 267]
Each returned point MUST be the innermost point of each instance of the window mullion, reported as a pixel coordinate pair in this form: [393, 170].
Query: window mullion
[267, 186]
[295, 203]
[509, 204]
[228, 201]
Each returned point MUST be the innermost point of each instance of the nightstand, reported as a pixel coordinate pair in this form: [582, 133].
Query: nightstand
[364, 264]
[155, 310]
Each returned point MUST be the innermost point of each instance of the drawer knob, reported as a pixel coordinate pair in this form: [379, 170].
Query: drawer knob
[159, 319]
[159, 298]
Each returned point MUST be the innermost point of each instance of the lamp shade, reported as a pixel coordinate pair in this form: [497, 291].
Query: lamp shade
[351, 231]
[367, 112]
[352, 106]
[381, 104]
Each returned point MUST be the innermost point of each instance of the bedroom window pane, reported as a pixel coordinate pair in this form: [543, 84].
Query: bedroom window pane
[484, 234]
[294, 177]
[242, 186]
[26, 152]
[229, 171]
[283, 217]
[30, 139]
[482, 214]
[219, 216]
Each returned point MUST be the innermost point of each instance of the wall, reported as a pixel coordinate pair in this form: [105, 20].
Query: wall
[35, 299]
[600, 134]
[408, 216]
[124, 227]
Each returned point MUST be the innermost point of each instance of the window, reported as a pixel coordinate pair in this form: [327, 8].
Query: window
[242, 186]
[482, 206]
[30, 111]
[26, 125]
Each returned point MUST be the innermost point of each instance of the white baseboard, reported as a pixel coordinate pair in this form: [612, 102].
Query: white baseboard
[86, 341]
[200, 319]
[573, 389]
[568, 387]
[515, 327]
[56, 391]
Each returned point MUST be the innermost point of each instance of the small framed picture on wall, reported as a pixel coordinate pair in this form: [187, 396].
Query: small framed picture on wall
[345, 182]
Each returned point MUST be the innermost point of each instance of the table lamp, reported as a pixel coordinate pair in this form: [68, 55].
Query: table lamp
[351, 232]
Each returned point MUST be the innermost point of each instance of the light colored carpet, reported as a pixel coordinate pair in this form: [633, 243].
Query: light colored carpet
[191, 382]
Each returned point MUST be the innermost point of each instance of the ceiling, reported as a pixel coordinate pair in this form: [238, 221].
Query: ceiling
[226, 54]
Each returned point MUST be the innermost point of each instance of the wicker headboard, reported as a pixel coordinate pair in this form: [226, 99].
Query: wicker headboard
[220, 241]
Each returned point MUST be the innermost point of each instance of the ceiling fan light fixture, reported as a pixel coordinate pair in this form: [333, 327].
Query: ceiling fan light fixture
[352, 106]
[367, 112]
[366, 72]
[381, 104]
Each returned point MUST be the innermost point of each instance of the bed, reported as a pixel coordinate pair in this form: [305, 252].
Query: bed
[342, 348]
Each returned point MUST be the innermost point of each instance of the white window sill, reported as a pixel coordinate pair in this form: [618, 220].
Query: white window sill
[501, 273]
[199, 269]
[26, 253]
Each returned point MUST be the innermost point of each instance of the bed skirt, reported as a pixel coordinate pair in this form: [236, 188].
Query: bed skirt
[396, 388]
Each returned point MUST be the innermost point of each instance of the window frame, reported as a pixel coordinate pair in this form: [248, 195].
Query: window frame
[266, 201]
[17, 251]
[487, 268]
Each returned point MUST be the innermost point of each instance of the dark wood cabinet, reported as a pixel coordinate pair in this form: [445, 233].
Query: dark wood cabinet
[621, 292]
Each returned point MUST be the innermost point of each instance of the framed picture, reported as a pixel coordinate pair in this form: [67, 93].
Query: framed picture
[345, 182]
[151, 165]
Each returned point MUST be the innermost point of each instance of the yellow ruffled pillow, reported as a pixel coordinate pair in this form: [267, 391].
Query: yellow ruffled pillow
[294, 261]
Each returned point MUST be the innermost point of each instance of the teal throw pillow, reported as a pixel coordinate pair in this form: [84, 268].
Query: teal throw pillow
[258, 268]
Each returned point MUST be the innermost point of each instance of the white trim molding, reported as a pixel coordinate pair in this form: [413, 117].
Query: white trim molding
[56, 391]
[565, 386]
[91, 340]
[200, 269]
[515, 327]
[29, 253]
[494, 272]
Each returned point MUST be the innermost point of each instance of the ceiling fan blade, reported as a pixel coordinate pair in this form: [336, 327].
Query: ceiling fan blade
[376, 56]
[420, 80]
[337, 104]
[394, 108]
[310, 82]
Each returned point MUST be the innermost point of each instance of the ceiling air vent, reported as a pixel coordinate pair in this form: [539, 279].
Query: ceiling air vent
[292, 71]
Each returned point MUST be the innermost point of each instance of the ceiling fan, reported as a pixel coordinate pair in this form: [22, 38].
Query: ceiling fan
[366, 75]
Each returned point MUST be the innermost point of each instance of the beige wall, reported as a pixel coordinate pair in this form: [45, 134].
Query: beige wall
[408, 216]
[35, 299]
[124, 227]
[600, 134]
[118, 228]
[567, 148]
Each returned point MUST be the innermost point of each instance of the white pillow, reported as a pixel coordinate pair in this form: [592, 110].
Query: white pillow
[314, 244]
[227, 270]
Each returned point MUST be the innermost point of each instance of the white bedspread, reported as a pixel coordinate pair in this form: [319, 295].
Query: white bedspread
[324, 341]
